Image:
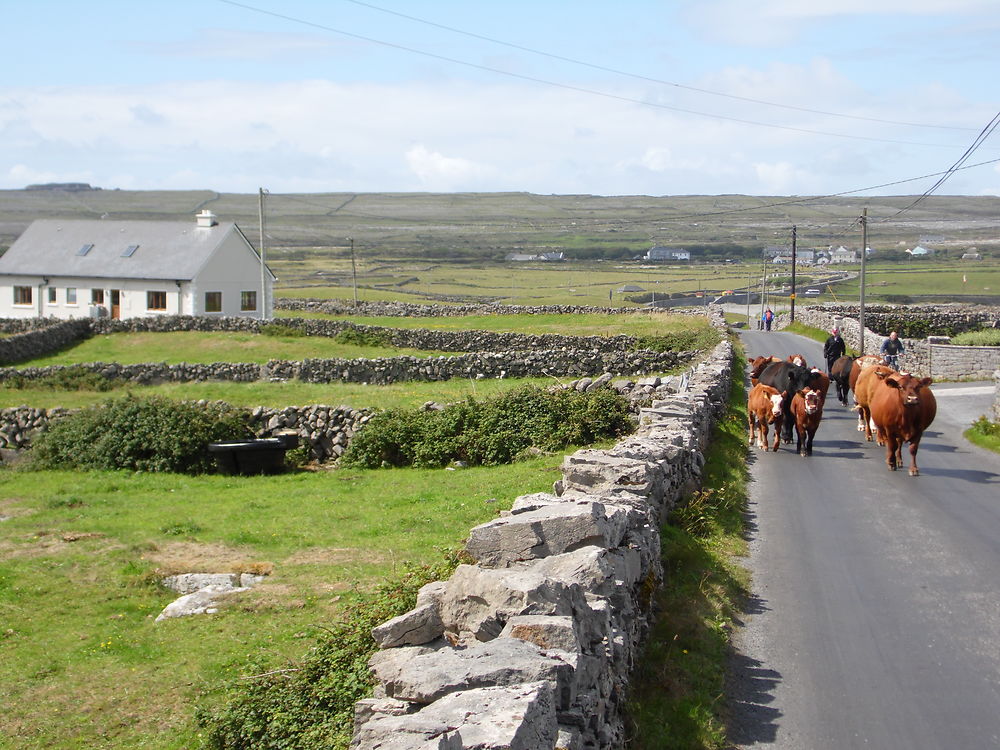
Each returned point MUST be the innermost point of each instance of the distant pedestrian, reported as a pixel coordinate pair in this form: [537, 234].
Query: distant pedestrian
[768, 319]
[833, 348]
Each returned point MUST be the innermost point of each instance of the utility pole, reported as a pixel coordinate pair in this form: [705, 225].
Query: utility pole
[861, 299]
[354, 271]
[794, 232]
[263, 266]
[749, 286]
[763, 280]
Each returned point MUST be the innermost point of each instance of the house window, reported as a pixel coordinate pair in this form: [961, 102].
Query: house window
[52, 295]
[71, 295]
[22, 295]
[248, 301]
[213, 302]
[156, 300]
[97, 296]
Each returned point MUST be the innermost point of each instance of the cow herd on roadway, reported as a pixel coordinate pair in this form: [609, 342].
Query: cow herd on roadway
[893, 407]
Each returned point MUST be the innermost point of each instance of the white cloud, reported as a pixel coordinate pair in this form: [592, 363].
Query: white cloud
[446, 173]
[228, 44]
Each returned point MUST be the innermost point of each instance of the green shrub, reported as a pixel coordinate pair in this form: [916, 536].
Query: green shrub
[140, 434]
[358, 337]
[310, 703]
[984, 337]
[282, 329]
[489, 432]
[72, 378]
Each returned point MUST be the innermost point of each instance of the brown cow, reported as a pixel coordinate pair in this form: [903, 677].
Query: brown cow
[902, 407]
[797, 359]
[758, 365]
[864, 388]
[860, 365]
[820, 381]
[807, 408]
[763, 409]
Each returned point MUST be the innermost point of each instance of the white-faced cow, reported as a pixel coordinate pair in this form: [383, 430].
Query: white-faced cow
[785, 377]
[902, 407]
[807, 410]
[764, 407]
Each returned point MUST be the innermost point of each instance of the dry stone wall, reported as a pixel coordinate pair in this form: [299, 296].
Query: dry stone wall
[533, 644]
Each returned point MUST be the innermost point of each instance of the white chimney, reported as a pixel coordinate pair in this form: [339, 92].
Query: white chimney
[206, 218]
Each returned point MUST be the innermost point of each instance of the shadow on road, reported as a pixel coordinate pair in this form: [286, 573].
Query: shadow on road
[750, 689]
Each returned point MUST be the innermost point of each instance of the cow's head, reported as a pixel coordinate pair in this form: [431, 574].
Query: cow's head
[776, 399]
[812, 400]
[908, 386]
[798, 360]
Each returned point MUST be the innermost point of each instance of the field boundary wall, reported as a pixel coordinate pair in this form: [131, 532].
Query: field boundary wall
[533, 645]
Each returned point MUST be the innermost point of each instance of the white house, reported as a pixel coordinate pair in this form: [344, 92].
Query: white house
[666, 253]
[127, 269]
[843, 255]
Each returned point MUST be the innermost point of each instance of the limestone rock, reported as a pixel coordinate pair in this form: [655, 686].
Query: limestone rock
[418, 626]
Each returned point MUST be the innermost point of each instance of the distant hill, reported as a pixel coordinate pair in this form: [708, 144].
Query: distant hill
[490, 225]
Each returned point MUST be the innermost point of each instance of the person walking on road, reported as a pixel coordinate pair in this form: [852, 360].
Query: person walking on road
[833, 348]
[892, 347]
[768, 319]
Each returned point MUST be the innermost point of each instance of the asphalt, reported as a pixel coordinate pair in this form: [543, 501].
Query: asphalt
[874, 619]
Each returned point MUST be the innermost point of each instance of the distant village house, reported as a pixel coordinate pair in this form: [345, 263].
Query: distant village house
[65, 269]
[660, 253]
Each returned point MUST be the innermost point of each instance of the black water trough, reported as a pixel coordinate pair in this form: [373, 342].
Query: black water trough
[262, 456]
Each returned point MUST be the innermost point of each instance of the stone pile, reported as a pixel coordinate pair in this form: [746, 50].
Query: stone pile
[532, 646]
[327, 430]
[19, 424]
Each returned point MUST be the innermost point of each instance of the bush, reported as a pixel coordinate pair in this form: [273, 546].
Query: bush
[310, 703]
[358, 337]
[72, 378]
[489, 432]
[282, 329]
[152, 434]
[984, 337]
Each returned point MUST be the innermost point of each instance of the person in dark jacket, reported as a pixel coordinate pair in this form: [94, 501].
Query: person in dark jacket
[833, 348]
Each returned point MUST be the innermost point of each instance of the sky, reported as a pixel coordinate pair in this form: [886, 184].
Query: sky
[635, 97]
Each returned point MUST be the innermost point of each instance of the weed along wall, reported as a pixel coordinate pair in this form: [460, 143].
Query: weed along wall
[533, 644]
[927, 355]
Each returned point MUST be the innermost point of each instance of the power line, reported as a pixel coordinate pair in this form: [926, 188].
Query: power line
[985, 133]
[648, 79]
[570, 87]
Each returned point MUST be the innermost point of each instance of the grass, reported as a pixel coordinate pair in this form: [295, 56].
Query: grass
[816, 334]
[81, 554]
[279, 395]
[198, 347]
[677, 696]
[985, 434]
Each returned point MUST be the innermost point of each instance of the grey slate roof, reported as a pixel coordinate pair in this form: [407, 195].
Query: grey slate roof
[167, 249]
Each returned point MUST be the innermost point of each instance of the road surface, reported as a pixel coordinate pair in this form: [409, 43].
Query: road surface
[875, 615]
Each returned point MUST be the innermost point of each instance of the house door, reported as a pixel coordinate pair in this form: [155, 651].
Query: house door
[116, 304]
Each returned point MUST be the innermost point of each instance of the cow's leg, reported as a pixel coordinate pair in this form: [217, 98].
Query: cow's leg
[777, 434]
[752, 426]
[809, 444]
[914, 471]
[787, 420]
[891, 449]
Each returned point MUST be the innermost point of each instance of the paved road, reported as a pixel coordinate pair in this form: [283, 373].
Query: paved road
[875, 616]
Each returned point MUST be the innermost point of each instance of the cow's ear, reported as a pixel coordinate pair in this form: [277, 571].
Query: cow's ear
[889, 380]
[880, 375]
[926, 381]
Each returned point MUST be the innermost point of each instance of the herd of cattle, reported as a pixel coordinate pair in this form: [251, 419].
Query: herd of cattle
[893, 407]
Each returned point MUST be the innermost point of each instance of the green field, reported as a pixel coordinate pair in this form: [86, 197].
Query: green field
[81, 555]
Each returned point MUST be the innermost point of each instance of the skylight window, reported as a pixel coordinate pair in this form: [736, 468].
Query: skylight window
[129, 251]
[84, 249]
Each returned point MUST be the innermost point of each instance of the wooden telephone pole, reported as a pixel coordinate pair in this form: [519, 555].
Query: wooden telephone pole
[792, 316]
[861, 298]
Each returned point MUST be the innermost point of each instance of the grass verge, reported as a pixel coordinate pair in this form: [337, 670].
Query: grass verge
[985, 434]
[816, 334]
[677, 688]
